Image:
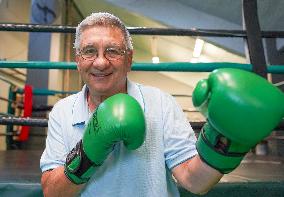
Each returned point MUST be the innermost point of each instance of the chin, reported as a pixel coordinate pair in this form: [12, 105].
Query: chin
[101, 91]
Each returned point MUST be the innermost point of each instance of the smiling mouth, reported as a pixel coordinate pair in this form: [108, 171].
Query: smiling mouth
[100, 75]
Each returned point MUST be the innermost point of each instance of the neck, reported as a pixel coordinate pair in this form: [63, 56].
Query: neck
[94, 100]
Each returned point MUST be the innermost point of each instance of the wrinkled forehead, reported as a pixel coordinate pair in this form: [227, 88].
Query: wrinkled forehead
[104, 26]
[114, 32]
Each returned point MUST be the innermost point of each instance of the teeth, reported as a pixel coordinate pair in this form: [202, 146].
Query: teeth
[100, 75]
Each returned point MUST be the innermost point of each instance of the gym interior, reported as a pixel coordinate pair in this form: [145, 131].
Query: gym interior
[176, 44]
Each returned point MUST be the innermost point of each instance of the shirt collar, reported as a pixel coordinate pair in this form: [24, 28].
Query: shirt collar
[80, 110]
[134, 90]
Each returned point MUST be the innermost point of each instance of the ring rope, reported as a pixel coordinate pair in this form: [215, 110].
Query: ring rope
[41, 122]
[165, 66]
[141, 31]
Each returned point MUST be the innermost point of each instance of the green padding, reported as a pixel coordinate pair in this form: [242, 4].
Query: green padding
[38, 65]
[20, 189]
[46, 92]
[165, 66]
[250, 189]
[276, 69]
[188, 67]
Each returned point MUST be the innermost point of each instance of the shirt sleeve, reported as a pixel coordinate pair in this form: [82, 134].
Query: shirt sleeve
[179, 137]
[55, 152]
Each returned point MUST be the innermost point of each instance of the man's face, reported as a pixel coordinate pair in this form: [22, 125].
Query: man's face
[103, 75]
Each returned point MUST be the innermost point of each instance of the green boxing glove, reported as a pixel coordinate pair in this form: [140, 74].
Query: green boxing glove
[118, 118]
[241, 109]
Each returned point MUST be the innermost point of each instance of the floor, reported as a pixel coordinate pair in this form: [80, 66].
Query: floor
[23, 166]
[256, 176]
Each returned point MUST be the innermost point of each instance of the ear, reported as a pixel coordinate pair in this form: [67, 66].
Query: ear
[129, 60]
[77, 60]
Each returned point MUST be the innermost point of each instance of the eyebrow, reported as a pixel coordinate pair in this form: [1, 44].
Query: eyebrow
[88, 45]
[115, 45]
[111, 44]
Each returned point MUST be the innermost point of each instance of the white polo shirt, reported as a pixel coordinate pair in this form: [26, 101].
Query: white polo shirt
[144, 172]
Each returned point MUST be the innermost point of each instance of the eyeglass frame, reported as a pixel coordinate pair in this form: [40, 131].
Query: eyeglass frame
[95, 56]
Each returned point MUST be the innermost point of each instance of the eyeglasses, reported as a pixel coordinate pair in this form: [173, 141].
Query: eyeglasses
[91, 53]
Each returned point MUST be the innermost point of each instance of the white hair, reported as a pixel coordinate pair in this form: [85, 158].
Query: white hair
[102, 19]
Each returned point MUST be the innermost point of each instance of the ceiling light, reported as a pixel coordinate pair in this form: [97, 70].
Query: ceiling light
[155, 60]
[198, 47]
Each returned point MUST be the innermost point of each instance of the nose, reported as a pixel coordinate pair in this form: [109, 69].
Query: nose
[101, 63]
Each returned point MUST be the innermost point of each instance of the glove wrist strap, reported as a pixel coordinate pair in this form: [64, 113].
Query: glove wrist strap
[78, 167]
[217, 158]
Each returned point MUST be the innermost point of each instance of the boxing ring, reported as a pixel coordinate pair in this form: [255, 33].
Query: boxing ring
[256, 176]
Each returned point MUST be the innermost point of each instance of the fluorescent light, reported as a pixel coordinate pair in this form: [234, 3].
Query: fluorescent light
[155, 60]
[198, 47]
